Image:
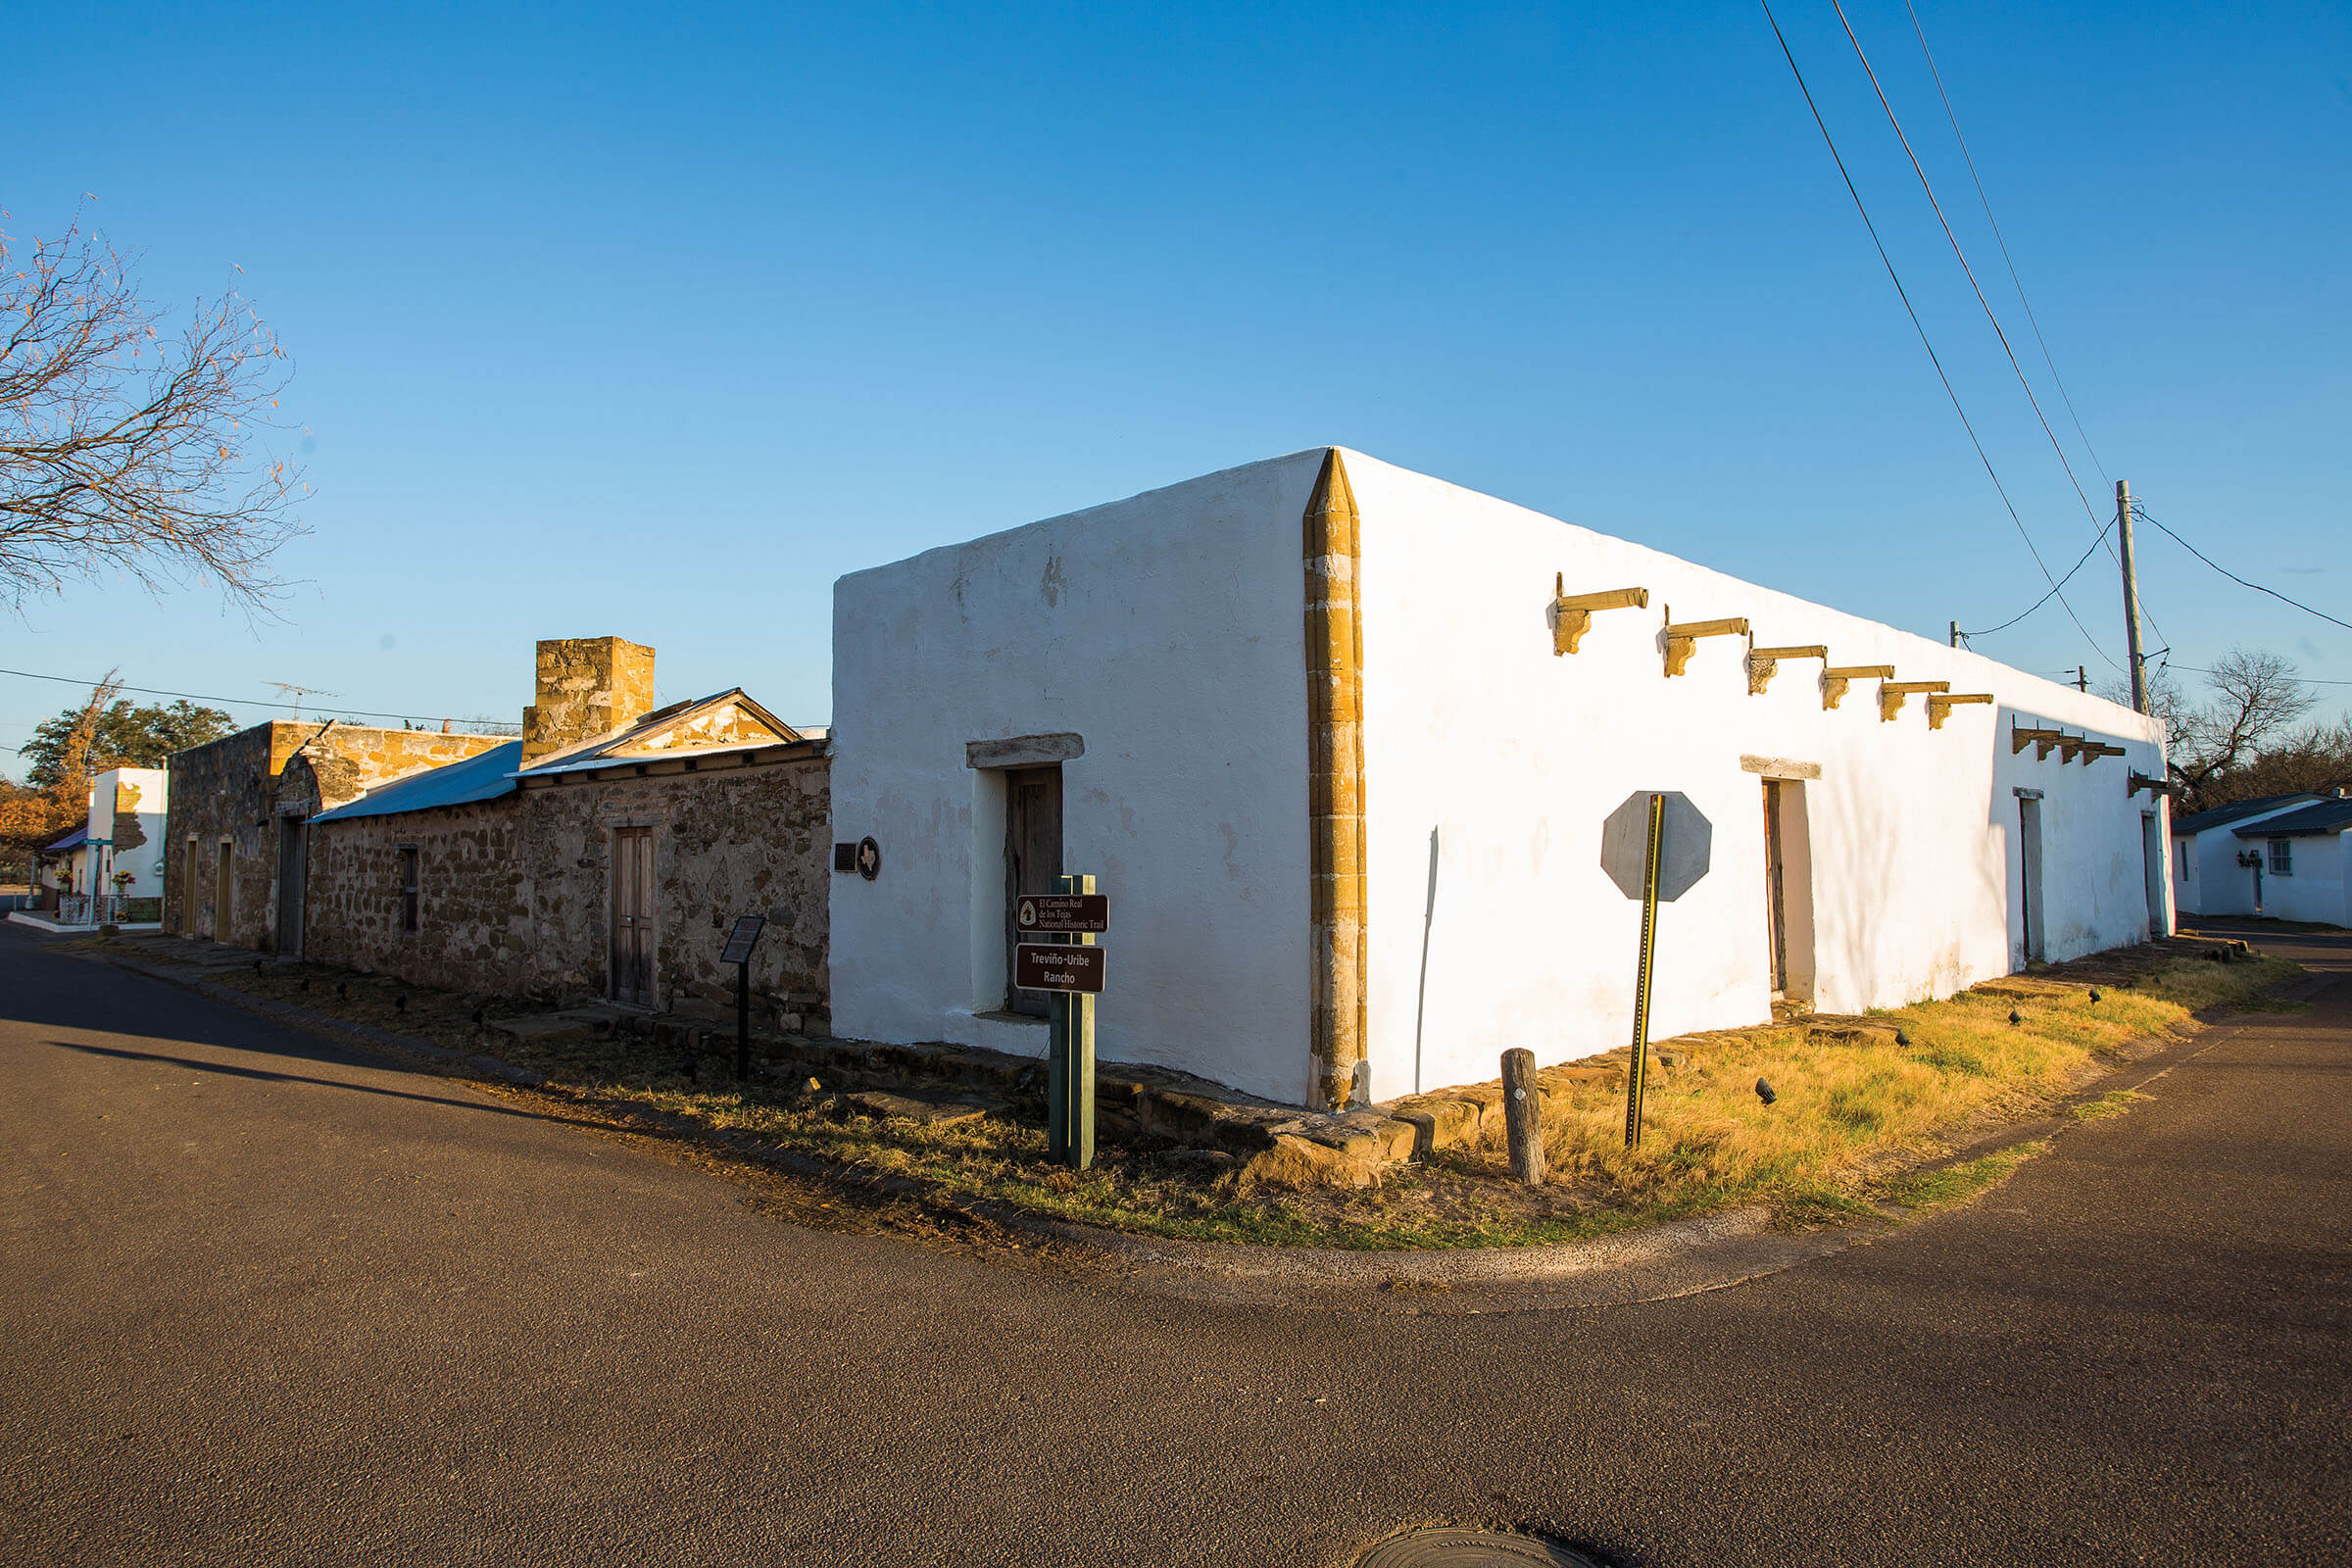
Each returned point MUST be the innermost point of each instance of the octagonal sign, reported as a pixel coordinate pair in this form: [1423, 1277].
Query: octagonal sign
[1686, 838]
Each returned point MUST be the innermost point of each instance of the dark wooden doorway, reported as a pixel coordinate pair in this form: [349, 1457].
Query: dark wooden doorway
[293, 873]
[633, 915]
[1032, 861]
[1776, 886]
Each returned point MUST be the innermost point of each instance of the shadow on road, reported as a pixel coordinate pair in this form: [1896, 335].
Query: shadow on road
[221, 1071]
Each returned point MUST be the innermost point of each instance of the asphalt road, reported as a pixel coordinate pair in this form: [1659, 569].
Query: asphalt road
[265, 1299]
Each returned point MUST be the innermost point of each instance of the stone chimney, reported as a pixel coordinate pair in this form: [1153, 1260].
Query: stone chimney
[587, 686]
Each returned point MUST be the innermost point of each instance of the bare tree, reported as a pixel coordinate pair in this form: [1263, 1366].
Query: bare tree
[123, 449]
[2215, 746]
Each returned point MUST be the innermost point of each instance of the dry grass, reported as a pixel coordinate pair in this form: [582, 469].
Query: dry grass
[1851, 1127]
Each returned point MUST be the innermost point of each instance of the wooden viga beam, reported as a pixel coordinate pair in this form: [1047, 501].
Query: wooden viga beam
[1892, 692]
[1762, 661]
[2154, 786]
[2092, 750]
[1835, 679]
[1682, 640]
[2022, 736]
[1572, 617]
[2070, 745]
[1941, 708]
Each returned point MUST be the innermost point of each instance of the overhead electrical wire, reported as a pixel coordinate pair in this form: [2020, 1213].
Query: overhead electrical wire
[2140, 513]
[240, 701]
[2046, 597]
[1916, 326]
[1924, 184]
[2003, 241]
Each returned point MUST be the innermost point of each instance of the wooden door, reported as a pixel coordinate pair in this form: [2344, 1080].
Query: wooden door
[1775, 889]
[1032, 861]
[633, 915]
[187, 890]
[293, 872]
[222, 907]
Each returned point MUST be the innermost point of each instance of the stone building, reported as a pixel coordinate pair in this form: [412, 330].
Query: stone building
[1340, 742]
[237, 833]
[605, 853]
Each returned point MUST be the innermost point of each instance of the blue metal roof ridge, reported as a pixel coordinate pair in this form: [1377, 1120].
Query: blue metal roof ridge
[72, 841]
[2325, 815]
[2239, 810]
[484, 777]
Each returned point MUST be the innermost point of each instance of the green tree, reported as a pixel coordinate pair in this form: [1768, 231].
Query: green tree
[94, 737]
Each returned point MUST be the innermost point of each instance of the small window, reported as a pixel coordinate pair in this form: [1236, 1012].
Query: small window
[2180, 847]
[408, 886]
[2282, 857]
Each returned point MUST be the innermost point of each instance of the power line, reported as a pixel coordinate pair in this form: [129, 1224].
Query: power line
[2141, 513]
[2018, 369]
[2046, 597]
[237, 701]
[2003, 241]
[1904, 295]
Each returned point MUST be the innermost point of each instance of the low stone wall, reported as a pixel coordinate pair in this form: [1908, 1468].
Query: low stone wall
[474, 930]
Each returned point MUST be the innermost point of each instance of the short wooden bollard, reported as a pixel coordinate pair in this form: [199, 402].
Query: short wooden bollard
[1523, 1116]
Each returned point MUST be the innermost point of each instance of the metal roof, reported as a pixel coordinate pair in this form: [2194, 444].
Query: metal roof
[72, 841]
[2237, 812]
[637, 742]
[484, 777]
[2332, 813]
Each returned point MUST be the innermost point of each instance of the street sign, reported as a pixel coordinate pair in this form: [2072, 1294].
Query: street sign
[1053, 966]
[1686, 840]
[1063, 911]
[743, 939]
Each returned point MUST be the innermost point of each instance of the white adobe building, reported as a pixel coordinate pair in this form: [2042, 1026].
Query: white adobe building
[127, 832]
[2288, 857]
[1316, 726]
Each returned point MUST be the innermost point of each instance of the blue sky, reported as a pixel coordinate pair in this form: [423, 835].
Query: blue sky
[655, 322]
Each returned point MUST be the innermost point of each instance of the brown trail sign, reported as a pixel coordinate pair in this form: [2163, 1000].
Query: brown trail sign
[1064, 911]
[1053, 966]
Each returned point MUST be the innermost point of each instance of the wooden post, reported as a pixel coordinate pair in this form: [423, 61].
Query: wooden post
[1070, 1060]
[1523, 1116]
[1635, 1069]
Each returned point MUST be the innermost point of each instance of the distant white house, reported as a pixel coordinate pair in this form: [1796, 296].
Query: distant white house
[2214, 870]
[1339, 740]
[126, 832]
[2283, 856]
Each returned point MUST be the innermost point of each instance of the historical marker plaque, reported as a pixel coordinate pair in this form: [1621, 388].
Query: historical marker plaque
[743, 939]
[1064, 911]
[1054, 966]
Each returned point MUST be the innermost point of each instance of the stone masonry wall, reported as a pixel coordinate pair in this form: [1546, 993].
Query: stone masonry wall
[474, 929]
[233, 789]
[585, 686]
[745, 841]
[516, 897]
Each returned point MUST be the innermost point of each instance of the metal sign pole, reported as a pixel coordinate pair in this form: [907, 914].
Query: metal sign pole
[743, 1020]
[1070, 1068]
[1637, 1069]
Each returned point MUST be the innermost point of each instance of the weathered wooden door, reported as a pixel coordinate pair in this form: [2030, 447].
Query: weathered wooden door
[633, 915]
[1775, 890]
[1032, 861]
[223, 905]
[293, 870]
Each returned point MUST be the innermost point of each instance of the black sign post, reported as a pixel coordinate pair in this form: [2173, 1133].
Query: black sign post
[1071, 972]
[740, 943]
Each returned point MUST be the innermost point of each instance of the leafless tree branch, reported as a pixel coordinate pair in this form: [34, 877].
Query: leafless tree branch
[129, 451]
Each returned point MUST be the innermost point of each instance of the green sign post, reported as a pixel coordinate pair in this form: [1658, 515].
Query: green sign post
[1071, 982]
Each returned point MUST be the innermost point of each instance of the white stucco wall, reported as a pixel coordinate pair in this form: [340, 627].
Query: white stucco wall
[2216, 884]
[2315, 888]
[1167, 632]
[1512, 757]
[146, 790]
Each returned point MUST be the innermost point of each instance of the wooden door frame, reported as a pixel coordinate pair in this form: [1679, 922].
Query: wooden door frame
[649, 929]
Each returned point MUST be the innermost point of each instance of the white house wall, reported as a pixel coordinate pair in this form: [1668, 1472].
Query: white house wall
[2315, 889]
[1167, 632]
[2219, 885]
[1490, 764]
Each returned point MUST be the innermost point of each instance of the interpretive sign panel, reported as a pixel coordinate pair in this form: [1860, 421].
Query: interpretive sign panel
[1053, 966]
[743, 939]
[1064, 911]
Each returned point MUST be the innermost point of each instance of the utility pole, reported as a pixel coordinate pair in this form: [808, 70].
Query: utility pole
[2082, 678]
[2123, 527]
[1955, 634]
